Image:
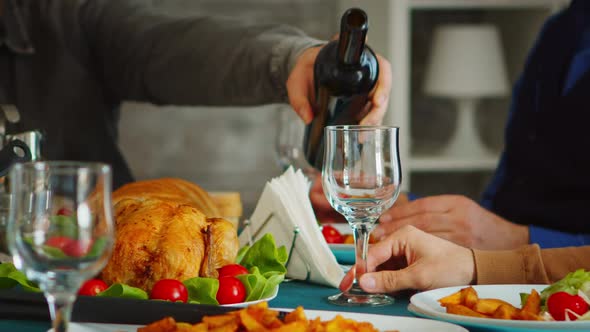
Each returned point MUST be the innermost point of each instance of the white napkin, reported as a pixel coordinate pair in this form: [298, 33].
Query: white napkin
[283, 207]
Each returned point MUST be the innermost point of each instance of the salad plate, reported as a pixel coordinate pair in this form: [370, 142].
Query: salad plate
[381, 322]
[425, 304]
[245, 304]
[344, 252]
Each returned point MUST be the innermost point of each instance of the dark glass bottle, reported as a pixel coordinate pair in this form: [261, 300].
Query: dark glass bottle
[345, 72]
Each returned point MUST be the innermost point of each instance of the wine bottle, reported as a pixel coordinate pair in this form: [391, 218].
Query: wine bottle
[345, 72]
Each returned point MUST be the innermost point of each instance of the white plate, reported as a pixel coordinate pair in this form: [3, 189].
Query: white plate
[245, 304]
[425, 304]
[382, 322]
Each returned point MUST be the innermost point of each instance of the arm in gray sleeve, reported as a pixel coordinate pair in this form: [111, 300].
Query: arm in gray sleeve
[148, 56]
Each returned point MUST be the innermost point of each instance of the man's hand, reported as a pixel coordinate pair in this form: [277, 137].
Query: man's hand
[301, 90]
[324, 211]
[412, 259]
[457, 219]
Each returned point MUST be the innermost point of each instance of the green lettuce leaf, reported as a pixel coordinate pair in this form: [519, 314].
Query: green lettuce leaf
[64, 226]
[11, 277]
[264, 255]
[98, 247]
[571, 283]
[259, 286]
[202, 290]
[124, 291]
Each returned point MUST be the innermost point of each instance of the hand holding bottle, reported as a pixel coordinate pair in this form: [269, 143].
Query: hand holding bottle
[300, 87]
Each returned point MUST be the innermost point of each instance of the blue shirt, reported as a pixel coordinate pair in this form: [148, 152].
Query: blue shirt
[549, 91]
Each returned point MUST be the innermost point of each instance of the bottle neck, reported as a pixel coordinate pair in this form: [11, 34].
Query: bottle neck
[353, 32]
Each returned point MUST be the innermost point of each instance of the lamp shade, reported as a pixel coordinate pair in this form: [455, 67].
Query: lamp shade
[466, 61]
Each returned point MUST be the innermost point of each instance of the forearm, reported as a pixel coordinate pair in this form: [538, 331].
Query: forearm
[529, 264]
[145, 55]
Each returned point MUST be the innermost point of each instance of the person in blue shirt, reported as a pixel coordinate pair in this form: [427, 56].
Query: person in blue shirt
[540, 192]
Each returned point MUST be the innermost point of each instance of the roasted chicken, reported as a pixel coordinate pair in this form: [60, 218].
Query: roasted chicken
[162, 234]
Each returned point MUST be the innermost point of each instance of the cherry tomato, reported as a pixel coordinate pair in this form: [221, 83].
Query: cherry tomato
[232, 270]
[76, 248]
[331, 234]
[92, 287]
[558, 302]
[231, 290]
[64, 212]
[59, 242]
[169, 290]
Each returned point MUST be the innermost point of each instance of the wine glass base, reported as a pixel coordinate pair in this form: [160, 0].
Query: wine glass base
[371, 300]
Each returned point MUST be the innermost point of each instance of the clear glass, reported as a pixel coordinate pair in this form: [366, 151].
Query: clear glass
[289, 143]
[361, 177]
[60, 228]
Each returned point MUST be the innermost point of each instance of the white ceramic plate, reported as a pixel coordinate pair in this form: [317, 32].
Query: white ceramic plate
[245, 304]
[382, 322]
[425, 304]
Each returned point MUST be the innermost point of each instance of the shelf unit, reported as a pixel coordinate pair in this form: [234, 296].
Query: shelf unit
[391, 34]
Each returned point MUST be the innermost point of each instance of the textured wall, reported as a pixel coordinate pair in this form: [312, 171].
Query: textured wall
[218, 148]
[234, 149]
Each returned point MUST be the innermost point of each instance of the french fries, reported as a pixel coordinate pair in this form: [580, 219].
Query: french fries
[466, 302]
[260, 318]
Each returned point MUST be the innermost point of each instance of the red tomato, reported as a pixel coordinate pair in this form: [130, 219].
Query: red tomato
[59, 242]
[92, 287]
[77, 248]
[232, 270]
[231, 290]
[169, 290]
[558, 302]
[331, 234]
[64, 212]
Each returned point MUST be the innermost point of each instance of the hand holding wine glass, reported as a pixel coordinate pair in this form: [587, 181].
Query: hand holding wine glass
[60, 229]
[361, 177]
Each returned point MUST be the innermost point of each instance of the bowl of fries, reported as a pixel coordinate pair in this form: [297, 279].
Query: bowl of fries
[490, 305]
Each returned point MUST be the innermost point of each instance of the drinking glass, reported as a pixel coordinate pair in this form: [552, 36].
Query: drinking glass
[289, 143]
[361, 178]
[60, 228]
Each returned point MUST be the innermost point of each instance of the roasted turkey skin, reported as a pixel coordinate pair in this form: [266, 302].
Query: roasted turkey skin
[160, 237]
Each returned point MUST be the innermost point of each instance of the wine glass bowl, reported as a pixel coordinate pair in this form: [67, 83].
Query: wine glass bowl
[361, 177]
[60, 229]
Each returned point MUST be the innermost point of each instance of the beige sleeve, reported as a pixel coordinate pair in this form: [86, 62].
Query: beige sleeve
[529, 264]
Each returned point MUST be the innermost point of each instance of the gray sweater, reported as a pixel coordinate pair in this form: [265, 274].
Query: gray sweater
[68, 64]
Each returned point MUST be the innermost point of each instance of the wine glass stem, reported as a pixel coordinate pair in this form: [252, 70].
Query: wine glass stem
[361, 240]
[60, 308]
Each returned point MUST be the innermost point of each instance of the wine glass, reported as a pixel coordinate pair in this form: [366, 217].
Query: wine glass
[289, 143]
[361, 177]
[60, 228]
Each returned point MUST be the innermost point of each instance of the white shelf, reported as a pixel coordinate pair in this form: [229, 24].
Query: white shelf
[448, 164]
[475, 4]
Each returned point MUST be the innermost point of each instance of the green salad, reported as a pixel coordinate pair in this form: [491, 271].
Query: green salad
[264, 261]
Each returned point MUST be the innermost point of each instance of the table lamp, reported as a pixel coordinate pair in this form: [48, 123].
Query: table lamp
[466, 64]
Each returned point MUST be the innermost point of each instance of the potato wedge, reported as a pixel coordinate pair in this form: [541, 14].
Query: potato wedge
[459, 309]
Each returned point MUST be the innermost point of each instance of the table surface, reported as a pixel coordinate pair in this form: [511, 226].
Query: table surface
[291, 295]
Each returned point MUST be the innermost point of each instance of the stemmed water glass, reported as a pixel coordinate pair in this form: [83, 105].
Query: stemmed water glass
[60, 228]
[361, 178]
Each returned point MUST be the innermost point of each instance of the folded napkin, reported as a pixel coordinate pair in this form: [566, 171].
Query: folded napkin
[285, 211]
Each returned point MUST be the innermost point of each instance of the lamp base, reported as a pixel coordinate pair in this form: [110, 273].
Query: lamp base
[465, 142]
